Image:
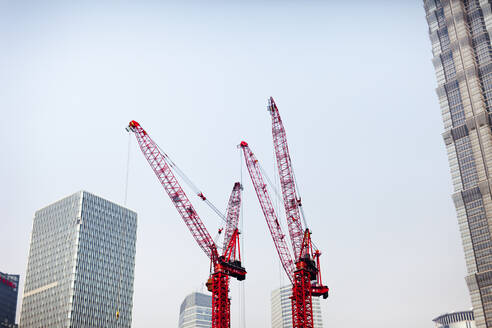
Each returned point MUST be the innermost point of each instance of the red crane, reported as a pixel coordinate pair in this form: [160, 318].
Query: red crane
[222, 266]
[304, 272]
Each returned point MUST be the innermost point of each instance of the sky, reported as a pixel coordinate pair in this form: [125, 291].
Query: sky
[354, 84]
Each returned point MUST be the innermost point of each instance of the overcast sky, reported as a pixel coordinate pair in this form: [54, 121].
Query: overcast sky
[355, 87]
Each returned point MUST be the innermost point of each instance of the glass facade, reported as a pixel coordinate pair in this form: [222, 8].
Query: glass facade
[8, 298]
[81, 265]
[281, 309]
[462, 58]
[196, 311]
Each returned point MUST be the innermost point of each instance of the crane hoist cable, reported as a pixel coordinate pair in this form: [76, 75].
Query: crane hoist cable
[270, 183]
[190, 184]
[301, 209]
[127, 167]
[117, 314]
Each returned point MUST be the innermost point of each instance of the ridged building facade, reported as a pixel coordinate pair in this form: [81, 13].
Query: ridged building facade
[196, 311]
[462, 319]
[281, 308]
[460, 35]
[81, 265]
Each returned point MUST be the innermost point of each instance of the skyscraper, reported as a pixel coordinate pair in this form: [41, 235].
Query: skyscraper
[462, 57]
[81, 264]
[196, 311]
[281, 308]
[9, 284]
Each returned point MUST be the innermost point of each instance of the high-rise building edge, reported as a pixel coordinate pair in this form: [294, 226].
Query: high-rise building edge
[81, 264]
[460, 33]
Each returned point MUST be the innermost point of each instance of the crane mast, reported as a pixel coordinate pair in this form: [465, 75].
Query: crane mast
[224, 266]
[218, 282]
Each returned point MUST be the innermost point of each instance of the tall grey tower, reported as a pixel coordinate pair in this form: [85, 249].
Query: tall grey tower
[462, 57]
[81, 265]
[282, 308]
[196, 311]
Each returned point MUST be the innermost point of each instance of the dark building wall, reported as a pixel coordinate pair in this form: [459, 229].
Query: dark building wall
[8, 298]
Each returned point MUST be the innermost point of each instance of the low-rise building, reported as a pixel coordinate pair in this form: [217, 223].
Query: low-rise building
[462, 319]
[196, 311]
[281, 308]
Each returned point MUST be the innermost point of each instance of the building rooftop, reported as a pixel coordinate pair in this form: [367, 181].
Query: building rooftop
[449, 318]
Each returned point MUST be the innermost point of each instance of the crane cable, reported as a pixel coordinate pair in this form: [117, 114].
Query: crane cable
[298, 192]
[121, 239]
[127, 167]
[190, 184]
[276, 200]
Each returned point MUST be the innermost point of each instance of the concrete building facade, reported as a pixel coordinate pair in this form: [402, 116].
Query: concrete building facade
[81, 265]
[281, 309]
[9, 289]
[196, 311]
[460, 36]
[463, 319]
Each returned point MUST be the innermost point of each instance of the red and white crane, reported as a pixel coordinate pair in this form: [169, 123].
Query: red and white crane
[226, 265]
[304, 271]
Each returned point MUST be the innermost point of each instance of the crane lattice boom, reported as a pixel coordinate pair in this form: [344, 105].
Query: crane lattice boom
[268, 210]
[167, 179]
[233, 209]
[287, 181]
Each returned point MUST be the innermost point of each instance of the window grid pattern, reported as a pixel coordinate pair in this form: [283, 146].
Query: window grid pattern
[9, 288]
[444, 39]
[47, 300]
[455, 105]
[466, 162]
[479, 228]
[477, 231]
[448, 65]
[449, 318]
[481, 45]
[484, 281]
[196, 311]
[441, 21]
[456, 109]
[281, 309]
[81, 265]
[105, 265]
